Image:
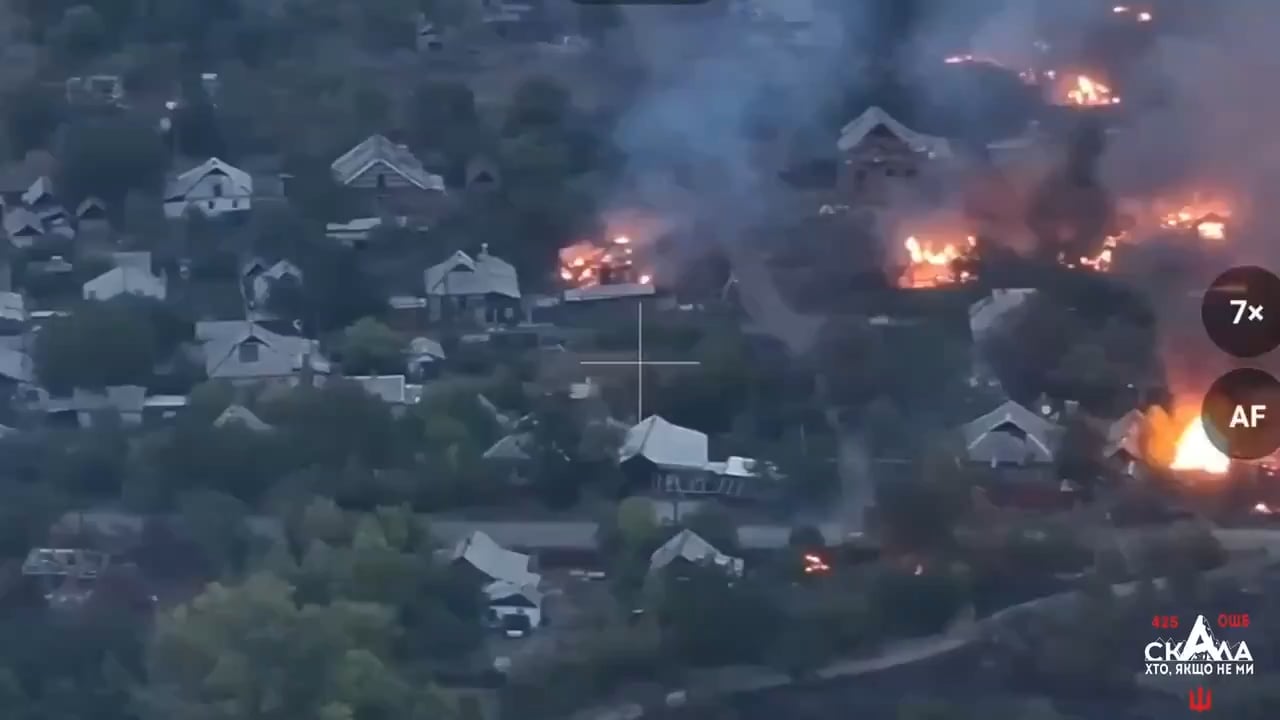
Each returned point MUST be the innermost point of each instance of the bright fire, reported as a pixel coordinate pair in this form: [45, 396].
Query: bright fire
[1207, 218]
[1084, 91]
[932, 266]
[1141, 16]
[814, 564]
[585, 264]
[1194, 451]
[1100, 262]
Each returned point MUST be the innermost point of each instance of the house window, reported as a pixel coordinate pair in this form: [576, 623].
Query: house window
[235, 204]
[210, 204]
[217, 190]
[382, 182]
[248, 352]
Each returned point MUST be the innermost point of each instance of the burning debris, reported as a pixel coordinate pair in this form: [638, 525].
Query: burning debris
[1180, 442]
[934, 265]
[1194, 451]
[585, 264]
[1084, 91]
[815, 565]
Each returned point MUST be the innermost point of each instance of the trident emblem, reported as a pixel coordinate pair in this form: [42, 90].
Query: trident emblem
[1200, 700]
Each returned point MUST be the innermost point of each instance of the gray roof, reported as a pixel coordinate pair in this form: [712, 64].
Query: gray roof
[125, 280]
[40, 189]
[16, 365]
[90, 203]
[378, 150]
[20, 219]
[278, 355]
[176, 188]
[423, 348]
[13, 307]
[689, 545]
[665, 444]
[239, 414]
[514, 447]
[462, 276]
[987, 313]
[495, 561]
[502, 589]
[1011, 434]
[852, 134]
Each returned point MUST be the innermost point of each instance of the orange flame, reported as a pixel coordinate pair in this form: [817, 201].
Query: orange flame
[929, 267]
[1085, 91]
[1208, 218]
[584, 264]
[1194, 451]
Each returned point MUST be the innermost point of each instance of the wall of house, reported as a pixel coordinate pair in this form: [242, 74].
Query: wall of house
[205, 197]
[500, 613]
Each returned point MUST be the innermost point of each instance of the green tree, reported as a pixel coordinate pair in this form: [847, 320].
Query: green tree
[217, 524]
[371, 348]
[108, 157]
[32, 114]
[702, 616]
[334, 426]
[98, 345]
[244, 650]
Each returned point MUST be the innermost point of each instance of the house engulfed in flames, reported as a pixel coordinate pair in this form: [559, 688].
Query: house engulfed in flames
[1208, 219]
[586, 264]
[931, 265]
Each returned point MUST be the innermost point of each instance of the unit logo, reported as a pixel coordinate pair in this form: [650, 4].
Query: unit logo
[1200, 654]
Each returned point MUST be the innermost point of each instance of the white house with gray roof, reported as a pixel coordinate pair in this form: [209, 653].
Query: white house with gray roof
[389, 177]
[485, 289]
[243, 352]
[126, 280]
[1011, 435]
[213, 188]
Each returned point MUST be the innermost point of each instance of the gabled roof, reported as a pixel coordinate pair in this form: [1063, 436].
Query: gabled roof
[278, 355]
[462, 276]
[41, 189]
[852, 134]
[496, 562]
[1011, 434]
[665, 444]
[125, 280]
[986, 313]
[176, 189]
[690, 546]
[89, 204]
[740, 467]
[21, 221]
[378, 150]
[239, 414]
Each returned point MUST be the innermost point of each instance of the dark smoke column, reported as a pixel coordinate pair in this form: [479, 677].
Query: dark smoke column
[1071, 213]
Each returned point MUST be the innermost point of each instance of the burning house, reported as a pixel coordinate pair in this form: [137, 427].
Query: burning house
[593, 271]
[877, 152]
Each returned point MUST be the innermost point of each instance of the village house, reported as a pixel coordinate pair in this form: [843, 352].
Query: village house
[13, 313]
[94, 91]
[687, 549]
[880, 155]
[660, 456]
[1015, 445]
[16, 371]
[259, 277]
[36, 214]
[214, 188]
[512, 456]
[986, 317]
[423, 359]
[389, 179]
[484, 291]
[128, 404]
[131, 276]
[244, 352]
[511, 588]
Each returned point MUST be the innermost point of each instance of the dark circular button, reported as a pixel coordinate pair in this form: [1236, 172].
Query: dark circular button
[1241, 414]
[1241, 311]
